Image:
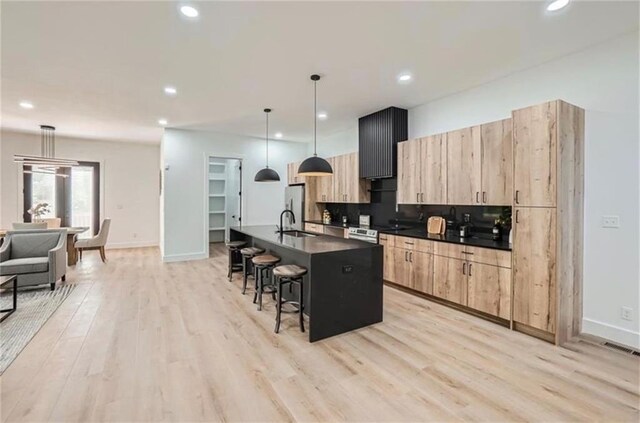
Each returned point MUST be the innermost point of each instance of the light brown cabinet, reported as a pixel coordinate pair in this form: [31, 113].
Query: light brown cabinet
[325, 185]
[292, 174]
[314, 227]
[348, 187]
[548, 220]
[534, 265]
[535, 155]
[422, 171]
[497, 163]
[450, 279]
[421, 271]
[489, 289]
[464, 166]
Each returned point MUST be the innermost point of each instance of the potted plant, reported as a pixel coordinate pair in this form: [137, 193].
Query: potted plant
[38, 210]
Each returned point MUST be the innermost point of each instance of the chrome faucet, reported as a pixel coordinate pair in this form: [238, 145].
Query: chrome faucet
[293, 219]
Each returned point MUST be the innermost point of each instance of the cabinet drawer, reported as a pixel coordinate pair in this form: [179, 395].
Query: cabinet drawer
[333, 231]
[446, 249]
[387, 240]
[314, 227]
[488, 256]
[414, 244]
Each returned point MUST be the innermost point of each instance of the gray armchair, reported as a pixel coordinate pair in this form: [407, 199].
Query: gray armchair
[36, 256]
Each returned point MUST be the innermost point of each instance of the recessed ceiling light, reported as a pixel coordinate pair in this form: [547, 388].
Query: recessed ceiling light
[26, 105]
[557, 5]
[278, 135]
[404, 77]
[162, 122]
[189, 11]
[322, 115]
[170, 90]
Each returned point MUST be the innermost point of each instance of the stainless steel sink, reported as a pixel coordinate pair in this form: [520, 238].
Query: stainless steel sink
[298, 234]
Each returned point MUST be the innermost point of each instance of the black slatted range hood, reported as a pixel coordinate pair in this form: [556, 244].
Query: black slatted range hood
[379, 134]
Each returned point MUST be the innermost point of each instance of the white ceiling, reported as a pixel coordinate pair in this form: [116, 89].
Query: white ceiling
[97, 69]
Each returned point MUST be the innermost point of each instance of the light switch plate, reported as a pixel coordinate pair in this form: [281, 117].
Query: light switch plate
[610, 221]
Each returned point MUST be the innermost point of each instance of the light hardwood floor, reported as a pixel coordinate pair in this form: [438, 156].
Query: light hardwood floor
[140, 340]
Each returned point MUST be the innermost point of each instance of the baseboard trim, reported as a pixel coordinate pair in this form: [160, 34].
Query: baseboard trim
[142, 244]
[184, 257]
[611, 333]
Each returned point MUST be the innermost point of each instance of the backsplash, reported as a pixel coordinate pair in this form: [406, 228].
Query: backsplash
[383, 209]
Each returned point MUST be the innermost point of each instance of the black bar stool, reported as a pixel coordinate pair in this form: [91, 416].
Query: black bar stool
[289, 274]
[263, 265]
[235, 261]
[247, 254]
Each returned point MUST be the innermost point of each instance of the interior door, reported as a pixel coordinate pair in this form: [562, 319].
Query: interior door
[489, 289]
[409, 188]
[433, 169]
[534, 155]
[464, 166]
[534, 267]
[497, 163]
[450, 279]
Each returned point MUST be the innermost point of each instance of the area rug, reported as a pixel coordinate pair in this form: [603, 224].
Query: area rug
[35, 306]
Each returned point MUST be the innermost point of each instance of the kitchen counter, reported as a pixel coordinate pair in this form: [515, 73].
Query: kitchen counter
[480, 240]
[343, 284]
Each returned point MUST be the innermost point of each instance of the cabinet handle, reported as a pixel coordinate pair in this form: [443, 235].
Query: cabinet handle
[406, 256]
[470, 266]
[408, 243]
[517, 200]
[484, 197]
[422, 197]
[477, 196]
[417, 197]
[464, 268]
[517, 215]
[411, 257]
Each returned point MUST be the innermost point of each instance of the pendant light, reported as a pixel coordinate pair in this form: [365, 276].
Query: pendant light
[46, 163]
[315, 166]
[267, 174]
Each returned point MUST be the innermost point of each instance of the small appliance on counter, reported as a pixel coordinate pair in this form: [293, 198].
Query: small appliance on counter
[364, 221]
[466, 227]
[326, 217]
[345, 220]
[452, 221]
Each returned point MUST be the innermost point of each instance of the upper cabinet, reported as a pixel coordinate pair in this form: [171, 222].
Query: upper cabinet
[497, 163]
[534, 155]
[292, 174]
[422, 171]
[343, 186]
[464, 166]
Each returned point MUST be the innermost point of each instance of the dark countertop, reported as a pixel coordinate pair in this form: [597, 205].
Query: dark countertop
[481, 240]
[310, 245]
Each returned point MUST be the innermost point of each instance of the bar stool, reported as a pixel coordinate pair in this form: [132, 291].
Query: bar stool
[247, 254]
[234, 250]
[289, 274]
[263, 265]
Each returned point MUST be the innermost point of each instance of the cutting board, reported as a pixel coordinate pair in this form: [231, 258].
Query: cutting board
[436, 225]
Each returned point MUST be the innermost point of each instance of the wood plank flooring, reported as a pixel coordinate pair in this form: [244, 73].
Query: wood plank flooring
[144, 341]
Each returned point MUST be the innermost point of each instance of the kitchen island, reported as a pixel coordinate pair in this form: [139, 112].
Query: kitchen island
[343, 286]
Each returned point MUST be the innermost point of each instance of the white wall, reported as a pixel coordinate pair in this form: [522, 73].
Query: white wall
[129, 183]
[604, 81]
[338, 143]
[184, 200]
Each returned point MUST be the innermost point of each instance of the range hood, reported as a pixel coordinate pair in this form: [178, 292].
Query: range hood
[378, 135]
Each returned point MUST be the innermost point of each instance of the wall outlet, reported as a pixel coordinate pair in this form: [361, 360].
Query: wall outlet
[626, 313]
[135, 235]
[610, 221]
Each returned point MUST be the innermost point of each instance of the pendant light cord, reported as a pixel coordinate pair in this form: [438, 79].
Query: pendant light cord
[267, 137]
[315, 117]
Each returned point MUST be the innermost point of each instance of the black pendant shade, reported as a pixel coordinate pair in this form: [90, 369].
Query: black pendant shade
[267, 174]
[314, 165]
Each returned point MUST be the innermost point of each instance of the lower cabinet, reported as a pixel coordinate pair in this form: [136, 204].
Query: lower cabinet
[413, 269]
[489, 289]
[450, 279]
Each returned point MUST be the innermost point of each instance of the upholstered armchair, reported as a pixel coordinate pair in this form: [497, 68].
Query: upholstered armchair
[97, 242]
[36, 256]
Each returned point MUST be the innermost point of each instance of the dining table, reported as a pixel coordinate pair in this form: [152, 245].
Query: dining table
[72, 235]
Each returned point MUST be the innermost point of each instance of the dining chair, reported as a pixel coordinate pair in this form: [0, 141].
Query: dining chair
[18, 226]
[97, 242]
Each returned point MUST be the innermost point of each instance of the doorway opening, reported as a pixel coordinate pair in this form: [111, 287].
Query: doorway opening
[224, 202]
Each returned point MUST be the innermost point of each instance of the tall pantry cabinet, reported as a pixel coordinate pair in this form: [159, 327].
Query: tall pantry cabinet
[548, 187]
